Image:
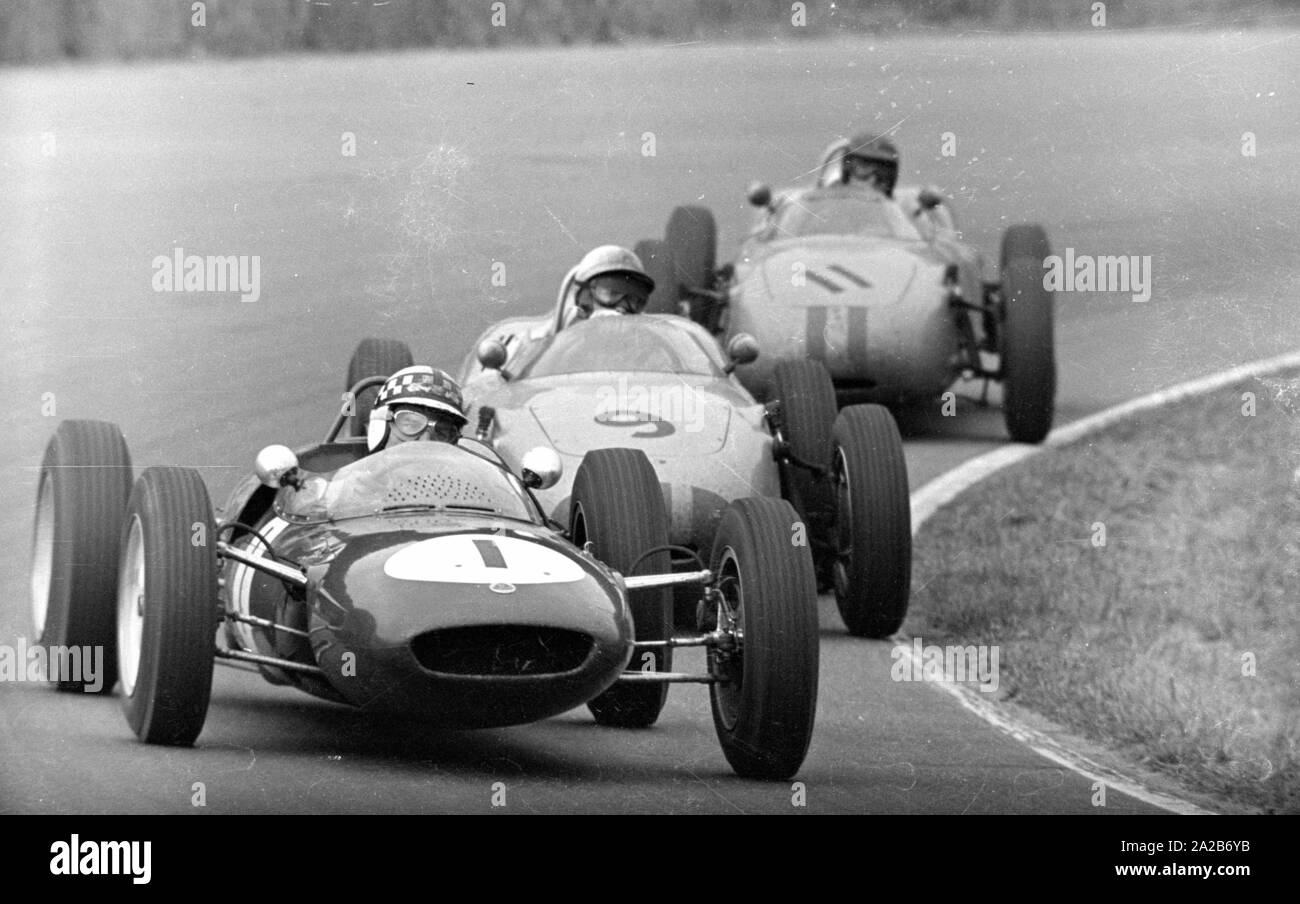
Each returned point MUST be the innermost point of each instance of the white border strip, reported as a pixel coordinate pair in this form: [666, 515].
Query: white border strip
[942, 490]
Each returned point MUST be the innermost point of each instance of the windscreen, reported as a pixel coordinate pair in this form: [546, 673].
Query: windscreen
[415, 476]
[622, 342]
[843, 212]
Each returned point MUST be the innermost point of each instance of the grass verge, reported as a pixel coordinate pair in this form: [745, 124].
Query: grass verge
[1142, 587]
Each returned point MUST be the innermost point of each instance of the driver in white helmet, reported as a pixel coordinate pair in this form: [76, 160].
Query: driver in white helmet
[609, 279]
[416, 403]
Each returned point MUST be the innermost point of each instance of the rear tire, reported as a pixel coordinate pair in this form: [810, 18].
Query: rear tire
[81, 498]
[657, 259]
[692, 239]
[1026, 336]
[764, 715]
[167, 611]
[808, 412]
[873, 551]
[618, 506]
[373, 357]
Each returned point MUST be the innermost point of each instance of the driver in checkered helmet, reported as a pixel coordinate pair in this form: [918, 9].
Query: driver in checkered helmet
[416, 403]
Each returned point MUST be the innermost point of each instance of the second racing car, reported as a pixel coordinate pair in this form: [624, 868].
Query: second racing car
[662, 385]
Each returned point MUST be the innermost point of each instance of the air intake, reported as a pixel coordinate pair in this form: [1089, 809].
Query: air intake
[501, 650]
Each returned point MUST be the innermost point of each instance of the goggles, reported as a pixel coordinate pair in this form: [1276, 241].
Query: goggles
[412, 423]
[609, 291]
[862, 168]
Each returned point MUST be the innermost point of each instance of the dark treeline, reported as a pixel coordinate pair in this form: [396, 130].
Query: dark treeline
[41, 31]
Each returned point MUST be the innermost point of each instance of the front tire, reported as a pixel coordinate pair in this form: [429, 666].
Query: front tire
[373, 357]
[873, 522]
[81, 497]
[1026, 334]
[167, 607]
[763, 712]
[808, 412]
[618, 507]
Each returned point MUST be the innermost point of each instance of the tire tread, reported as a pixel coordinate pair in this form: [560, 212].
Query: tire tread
[771, 736]
[1028, 347]
[91, 467]
[882, 578]
[631, 519]
[174, 685]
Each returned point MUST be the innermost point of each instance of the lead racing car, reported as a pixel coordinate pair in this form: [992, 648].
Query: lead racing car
[423, 581]
[877, 285]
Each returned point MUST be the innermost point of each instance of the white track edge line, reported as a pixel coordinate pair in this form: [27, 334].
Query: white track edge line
[945, 488]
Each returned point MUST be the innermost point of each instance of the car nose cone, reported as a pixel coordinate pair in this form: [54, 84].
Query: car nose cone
[468, 629]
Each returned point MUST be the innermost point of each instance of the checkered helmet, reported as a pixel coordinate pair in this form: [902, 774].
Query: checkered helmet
[422, 386]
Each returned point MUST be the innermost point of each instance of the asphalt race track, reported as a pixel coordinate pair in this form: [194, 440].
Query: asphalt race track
[1120, 144]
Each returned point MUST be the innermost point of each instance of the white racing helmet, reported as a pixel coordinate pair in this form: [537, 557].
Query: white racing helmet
[615, 261]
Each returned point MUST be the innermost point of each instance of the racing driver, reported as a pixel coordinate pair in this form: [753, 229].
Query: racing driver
[610, 279]
[416, 403]
[872, 161]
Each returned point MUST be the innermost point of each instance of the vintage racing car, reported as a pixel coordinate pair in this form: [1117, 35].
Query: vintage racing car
[660, 383]
[423, 581]
[880, 289]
